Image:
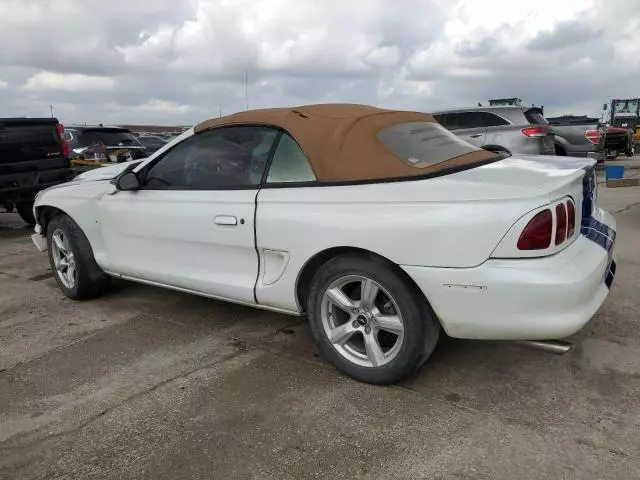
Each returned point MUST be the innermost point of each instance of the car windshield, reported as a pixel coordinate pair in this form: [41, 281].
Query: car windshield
[422, 144]
[109, 137]
[152, 140]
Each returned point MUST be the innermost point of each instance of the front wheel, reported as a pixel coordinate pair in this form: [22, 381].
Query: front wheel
[369, 320]
[71, 258]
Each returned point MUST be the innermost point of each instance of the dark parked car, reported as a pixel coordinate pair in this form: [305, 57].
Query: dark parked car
[93, 146]
[152, 143]
[512, 129]
[578, 136]
[33, 156]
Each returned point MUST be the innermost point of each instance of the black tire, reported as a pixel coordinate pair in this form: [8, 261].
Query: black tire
[25, 210]
[91, 281]
[421, 327]
[560, 152]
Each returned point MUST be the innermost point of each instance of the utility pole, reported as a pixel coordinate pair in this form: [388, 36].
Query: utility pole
[51, 110]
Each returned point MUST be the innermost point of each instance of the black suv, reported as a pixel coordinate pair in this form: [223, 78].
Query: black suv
[93, 146]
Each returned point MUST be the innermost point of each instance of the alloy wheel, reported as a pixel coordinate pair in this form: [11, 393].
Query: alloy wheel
[63, 259]
[362, 321]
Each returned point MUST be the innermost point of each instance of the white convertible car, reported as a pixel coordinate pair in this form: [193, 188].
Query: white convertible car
[381, 226]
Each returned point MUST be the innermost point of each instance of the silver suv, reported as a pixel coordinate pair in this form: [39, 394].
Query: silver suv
[522, 130]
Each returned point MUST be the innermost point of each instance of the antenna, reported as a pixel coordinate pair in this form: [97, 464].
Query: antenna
[51, 110]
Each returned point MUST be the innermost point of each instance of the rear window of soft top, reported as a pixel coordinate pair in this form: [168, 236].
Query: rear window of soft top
[422, 144]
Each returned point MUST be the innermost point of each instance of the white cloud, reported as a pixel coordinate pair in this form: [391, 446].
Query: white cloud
[71, 82]
[162, 107]
[190, 57]
[3, 84]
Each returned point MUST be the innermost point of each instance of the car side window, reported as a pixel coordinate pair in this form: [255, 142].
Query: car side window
[493, 120]
[441, 119]
[223, 158]
[451, 121]
[469, 120]
[289, 164]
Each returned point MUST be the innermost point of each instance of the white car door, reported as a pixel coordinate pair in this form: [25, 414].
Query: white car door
[191, 223]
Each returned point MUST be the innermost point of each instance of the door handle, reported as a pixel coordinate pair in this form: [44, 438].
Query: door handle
[227, 220]
[475, 135]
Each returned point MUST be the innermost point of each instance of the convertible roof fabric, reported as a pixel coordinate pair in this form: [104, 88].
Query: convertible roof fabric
[340, 140]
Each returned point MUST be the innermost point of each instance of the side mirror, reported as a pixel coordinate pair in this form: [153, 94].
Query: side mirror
[127, 181]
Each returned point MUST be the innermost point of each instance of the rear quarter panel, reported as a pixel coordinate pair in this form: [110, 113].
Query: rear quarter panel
[441, 222]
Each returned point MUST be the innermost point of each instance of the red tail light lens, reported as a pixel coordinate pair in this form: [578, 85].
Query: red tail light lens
[63, 143]
[593, 136]
[535, 131]
[537, 234]
[571, 218]
[561, 223]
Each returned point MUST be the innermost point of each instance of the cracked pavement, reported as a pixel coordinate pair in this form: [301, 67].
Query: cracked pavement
[148, 383]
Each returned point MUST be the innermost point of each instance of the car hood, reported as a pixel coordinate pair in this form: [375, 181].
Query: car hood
[105, 173]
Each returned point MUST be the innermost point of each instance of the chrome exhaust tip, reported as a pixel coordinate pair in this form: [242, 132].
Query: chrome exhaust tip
[557, 347]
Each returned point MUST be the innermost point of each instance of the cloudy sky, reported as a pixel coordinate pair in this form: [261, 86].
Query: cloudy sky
[180, 61]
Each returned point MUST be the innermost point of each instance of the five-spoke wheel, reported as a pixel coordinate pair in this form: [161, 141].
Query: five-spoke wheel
[362, 321]
[64, 261]
[370, 321]
[71, 258]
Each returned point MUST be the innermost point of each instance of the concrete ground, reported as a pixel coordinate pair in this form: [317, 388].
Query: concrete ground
[147, 383]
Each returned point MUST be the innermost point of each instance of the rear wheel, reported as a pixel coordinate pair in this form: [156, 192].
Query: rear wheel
[71, 258]
[25, 210]
[369, 321]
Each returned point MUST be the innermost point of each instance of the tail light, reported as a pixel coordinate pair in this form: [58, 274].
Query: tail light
[561, 223]
[535, 131]
[571, 218]
[537, 234]
[63, 142]
[593, 136]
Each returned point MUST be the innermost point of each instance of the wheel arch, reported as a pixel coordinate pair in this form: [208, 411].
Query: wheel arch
[311, 266]
[495, 148]
[46, 213]
[560, 149]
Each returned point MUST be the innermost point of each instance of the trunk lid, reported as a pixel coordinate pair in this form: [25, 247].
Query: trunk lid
[541, 178]
[28, 139]
[548, 175]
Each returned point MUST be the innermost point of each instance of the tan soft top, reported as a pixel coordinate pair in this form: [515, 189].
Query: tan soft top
[340, 139]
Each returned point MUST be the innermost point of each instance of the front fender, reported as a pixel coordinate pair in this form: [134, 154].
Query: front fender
[79, 201]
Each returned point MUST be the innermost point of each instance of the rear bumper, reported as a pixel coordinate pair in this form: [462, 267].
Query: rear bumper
[522, 299]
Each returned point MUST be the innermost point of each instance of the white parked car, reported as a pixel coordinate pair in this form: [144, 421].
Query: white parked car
[381, 226]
